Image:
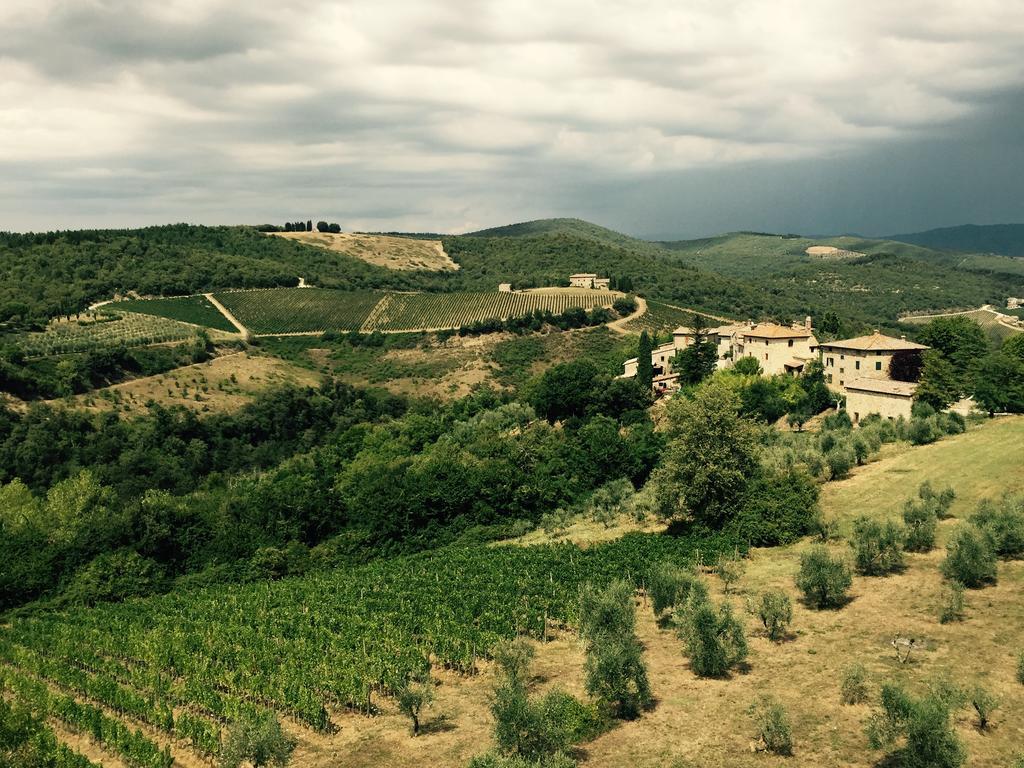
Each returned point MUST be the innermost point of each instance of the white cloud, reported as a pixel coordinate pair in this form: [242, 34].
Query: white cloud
[481, 91]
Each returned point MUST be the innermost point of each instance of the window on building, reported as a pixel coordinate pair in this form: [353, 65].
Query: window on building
[841, 382]
[842, 357]
[765, 355]
[791, 342]
[878, 365]
[831, 362]
[830, 378]
[857, 365]
[842, 370]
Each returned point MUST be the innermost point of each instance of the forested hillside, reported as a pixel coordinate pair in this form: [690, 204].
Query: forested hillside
[1002, 239]
[54, 273]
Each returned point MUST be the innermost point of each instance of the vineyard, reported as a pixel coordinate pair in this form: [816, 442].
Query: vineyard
[434, 311]
[186, 663]
[99, 330]
[271, 311]
[299, 310]
[664, 318]
[188, 309]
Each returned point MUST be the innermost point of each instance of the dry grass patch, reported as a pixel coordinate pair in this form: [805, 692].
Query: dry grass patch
[401, 253]
[222, 384]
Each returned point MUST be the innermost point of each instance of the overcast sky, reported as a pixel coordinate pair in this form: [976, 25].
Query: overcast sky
[660, 118]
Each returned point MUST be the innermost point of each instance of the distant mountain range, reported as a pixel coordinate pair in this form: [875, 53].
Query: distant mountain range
[1004, 239]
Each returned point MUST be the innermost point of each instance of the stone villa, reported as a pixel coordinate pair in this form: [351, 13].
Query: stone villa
[857, 368]
[589, 280]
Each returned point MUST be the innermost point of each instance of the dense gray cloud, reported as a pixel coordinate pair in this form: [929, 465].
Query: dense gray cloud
[659, 117]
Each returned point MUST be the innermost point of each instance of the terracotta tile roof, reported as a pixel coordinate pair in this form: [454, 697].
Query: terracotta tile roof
[883, 386]
[775, 331]
[876, 341]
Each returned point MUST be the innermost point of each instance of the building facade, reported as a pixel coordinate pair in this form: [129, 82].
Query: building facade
[777, 348]
[863, 357]
[889, 399]
[589, 280]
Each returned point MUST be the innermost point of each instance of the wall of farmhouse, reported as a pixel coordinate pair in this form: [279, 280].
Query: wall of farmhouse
[842, 365]
[772, 354]
[860, 404]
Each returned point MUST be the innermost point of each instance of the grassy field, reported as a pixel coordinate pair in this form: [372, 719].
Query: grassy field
[225, 383]
[401, 253]
[188, 309]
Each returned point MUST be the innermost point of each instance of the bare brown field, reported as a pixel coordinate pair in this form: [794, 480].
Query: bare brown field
[401, 253]
[222, 384]
[831, 252]
[699, 722]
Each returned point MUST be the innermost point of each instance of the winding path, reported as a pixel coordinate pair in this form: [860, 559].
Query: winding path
[619, 326]
[227, 314]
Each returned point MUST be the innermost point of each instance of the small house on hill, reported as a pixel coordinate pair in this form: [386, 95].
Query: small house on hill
[862, 357]
[589, 280]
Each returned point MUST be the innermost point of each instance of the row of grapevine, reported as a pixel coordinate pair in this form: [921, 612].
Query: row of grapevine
[133, 746]
[298, 310]
[153, 709]
[33, 741]
[344, 636]
[410, 311]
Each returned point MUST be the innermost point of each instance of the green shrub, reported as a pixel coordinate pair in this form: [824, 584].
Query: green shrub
[259, 741]
[984, 704]
[730, 569]
[1020, 668]
[778, 507]
[970, 559]
[921, 523]
[415, 695]
[925, 723]
[669, 586]
[940, 500]
[616, 676]
[714, 638]
[877, 547]
[1003, 525]
[615, 671]
[840, 460]
[773, 728]
[113, 577]
[922, 431]
[854, 689]
[775, 610]
[497, 760]
[823, 579]
[952, 608]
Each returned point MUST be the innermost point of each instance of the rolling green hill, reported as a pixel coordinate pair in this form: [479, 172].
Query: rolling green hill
[1003, 239]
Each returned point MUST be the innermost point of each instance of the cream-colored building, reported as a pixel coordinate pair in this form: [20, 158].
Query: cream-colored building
[778, 348]
[661, 356]
[589, 280]
[889, 399]
[505, 287]
[864, 357]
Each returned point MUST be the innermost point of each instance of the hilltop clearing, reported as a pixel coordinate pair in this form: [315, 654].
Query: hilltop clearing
[399, 253]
